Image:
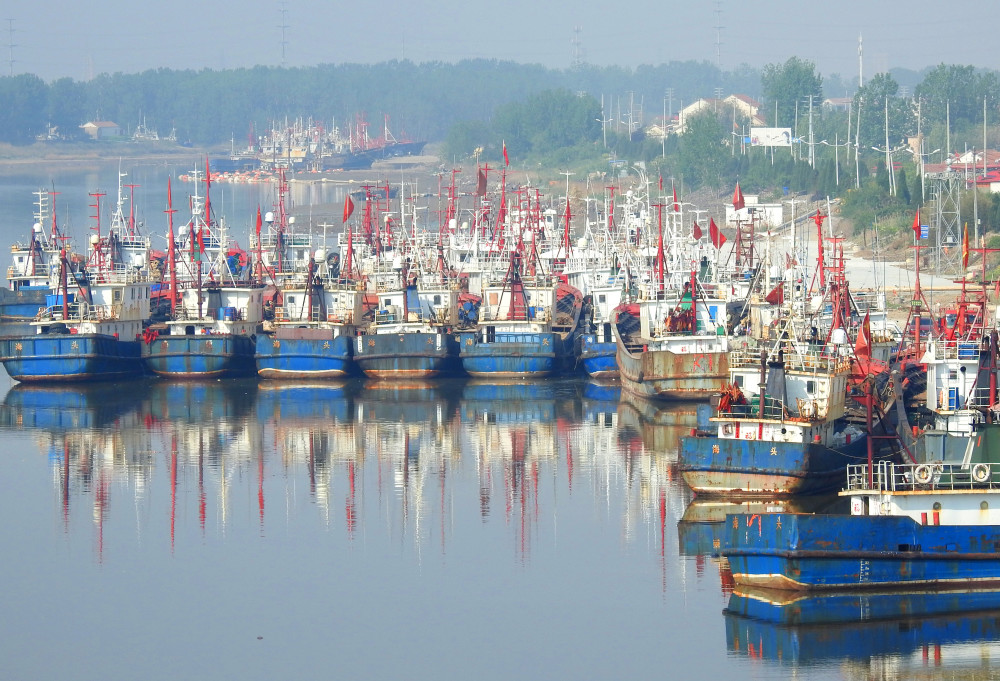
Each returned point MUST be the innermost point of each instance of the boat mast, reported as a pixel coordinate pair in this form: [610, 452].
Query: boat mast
[171, 249]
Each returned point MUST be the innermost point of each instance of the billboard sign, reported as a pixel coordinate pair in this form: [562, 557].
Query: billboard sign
[770, 137]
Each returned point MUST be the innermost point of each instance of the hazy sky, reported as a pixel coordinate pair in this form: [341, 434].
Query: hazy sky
[61, 38]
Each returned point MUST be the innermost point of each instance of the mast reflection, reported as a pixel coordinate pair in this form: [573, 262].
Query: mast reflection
[201, 460]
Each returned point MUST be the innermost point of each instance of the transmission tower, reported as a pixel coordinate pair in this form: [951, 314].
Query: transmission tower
[577, 43]
[718, 34]
[10, 46]
[945, 193]
[283, 10]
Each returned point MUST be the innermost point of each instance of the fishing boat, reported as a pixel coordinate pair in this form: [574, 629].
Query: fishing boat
[89, 334]
[910, 525]
[314, 328]
[672, 348]
[796, 411]
[527, 327]
[313, 310]
[33, 270]
[410, 336]
[216, 308]
[785, 426]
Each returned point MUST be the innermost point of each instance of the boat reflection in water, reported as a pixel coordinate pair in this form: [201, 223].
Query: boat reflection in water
[660, 424]
[870, 635]
[81, 405]
[412, 459]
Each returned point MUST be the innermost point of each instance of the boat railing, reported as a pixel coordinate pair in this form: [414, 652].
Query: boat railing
[810, 360]
[979, 399]
[774, 409]
[894, 477]
[956, 350]
[79, 311]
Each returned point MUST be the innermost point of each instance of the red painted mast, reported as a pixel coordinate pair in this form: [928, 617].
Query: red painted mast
[171, 249]
[131, 208]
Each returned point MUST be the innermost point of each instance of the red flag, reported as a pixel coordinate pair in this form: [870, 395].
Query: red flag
[738, 202]
[348, 208]
[715, 234]
[697, 231]
[863, 345]
[259, 223]
[965, 247]
[777, 294]
[661, 183]
[506, 161]
[916, 224]
[481, 184]
[677, 205]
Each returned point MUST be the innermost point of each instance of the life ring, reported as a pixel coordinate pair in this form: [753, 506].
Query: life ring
[922, 474]
[981, 472]
[727, 429]
[749, 435]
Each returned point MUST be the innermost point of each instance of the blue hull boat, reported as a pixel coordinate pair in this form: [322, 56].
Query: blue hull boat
[22, 304]
[515, 354]
[406, 355]
[54, 357]
[802, 552]
[200, 356]
[304, 358]
[768, 468]
[598, 358]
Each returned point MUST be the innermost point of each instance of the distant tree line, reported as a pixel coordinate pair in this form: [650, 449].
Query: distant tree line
[576, 119]
[210, 107]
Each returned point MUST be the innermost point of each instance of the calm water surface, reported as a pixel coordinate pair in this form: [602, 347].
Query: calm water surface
[359, 530]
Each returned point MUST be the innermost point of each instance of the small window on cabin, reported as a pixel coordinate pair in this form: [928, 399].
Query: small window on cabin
[117, 295]
[387, 302]
[738, 380]
[291, 300]
[952, 375]
[437, 299]
[810, 387]
[601, 298]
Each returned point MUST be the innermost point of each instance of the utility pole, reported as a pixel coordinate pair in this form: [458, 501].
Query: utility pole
[718, 35]
[10, 45]
[812, 148]
[283, 26]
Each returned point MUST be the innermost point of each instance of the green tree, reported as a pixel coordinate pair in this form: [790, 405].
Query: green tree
[903, 186]
[958, 93]
[877, 101]
[702, 154]
[788, 83]
[23, 114]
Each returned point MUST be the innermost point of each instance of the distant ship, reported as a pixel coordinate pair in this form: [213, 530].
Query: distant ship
[308, 145]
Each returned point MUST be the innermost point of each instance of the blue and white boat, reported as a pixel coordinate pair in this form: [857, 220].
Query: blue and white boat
[411, 335]
[910, 525]
[216, 308]
[314, 329]
[90, 334]
[527, 327]
[33, 270]
[783, 426]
